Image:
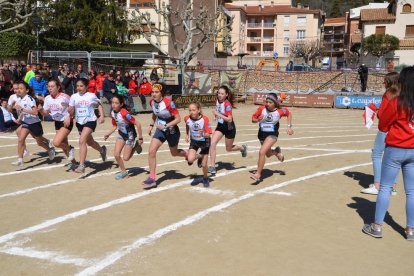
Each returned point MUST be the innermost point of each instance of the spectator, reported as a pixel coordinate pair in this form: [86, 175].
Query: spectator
[69, 83]
[38, 84]
[154, 75]
[144, 90]
[133, 86]
[390, 66]
[7, 120]
[16, 73]
[29, 74]
[79, 72]
[99, 82]
[109, 87]
[92, 87]
[289, 66]
[126, 79]
[363, 77]
[45, 72]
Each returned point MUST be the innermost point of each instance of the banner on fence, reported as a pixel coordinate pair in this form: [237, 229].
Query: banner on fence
[204, 99]
[299, 100]
[197, 83]
[357, 101]
[232, 80]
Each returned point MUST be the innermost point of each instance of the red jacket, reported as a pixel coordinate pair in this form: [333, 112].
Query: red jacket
[99, 81]
[145, 89]
[132, 87]
[400, 130]
[92, 87]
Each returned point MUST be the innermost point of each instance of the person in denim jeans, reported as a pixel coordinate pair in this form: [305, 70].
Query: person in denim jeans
[398, 120]
[391, 87]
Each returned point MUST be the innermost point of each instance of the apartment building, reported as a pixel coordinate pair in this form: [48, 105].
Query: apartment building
[335, 40]
[396, 19]
[263, 28]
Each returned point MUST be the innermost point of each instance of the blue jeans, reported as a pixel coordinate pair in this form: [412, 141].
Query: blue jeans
[394, 159]
[377, 151]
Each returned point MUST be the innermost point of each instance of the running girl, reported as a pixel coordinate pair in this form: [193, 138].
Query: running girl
[198, 131]
[225, 126]
[30, 123]
[10, 105]
[56, 104]
[82, 105]
[165, 118]
[268, 117]
[126, 124]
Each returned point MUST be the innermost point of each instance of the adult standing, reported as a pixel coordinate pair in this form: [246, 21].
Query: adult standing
[79, 72]
[398, 120]
[363, 77]
[109, 87]
[99, 82]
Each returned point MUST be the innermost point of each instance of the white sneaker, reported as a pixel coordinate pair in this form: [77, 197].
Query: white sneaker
[18, 163]
[52, 153]
[51, 144]
[71, 153]
[26, 153]
[370, 190]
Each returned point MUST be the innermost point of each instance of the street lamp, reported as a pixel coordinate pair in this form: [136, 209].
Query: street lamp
[37, 21]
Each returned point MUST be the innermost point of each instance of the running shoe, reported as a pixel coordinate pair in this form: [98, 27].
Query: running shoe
[279, 154]
[370, 230]
[394, 192]
[80, 169]
[52, 153]
[212, 169]
[50, 143]
[409, 234]
[370, 190]
[200, 161]
[149, 183]
[18, 163]
[121, 175]
[25, 153]
[244, 150]
[71, 155]
[206, 182]
[137, 147]
[103, 154]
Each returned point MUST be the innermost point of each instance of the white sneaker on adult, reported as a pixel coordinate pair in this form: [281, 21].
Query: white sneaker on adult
[71, 153]
[370, 190]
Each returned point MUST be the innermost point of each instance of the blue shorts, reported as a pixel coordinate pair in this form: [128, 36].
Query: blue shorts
[35, 129]
[171, 135]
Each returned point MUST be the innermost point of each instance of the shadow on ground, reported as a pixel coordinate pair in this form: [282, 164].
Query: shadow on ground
[363, 179]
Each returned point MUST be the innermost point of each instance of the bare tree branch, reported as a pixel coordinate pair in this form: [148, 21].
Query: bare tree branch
[14, 12]
[306, 49]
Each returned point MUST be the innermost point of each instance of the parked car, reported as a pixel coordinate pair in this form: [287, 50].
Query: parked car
[303, 68]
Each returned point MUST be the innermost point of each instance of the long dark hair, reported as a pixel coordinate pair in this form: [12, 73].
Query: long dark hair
[230, 96]
[121, 101]
[406, 97]
[391, 82]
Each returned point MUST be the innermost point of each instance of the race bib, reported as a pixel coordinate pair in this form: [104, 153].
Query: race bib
[161, 122]
[267, 127]
[57, 117]
[82, 112]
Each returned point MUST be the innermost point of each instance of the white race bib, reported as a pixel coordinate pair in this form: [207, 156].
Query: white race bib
[267, 127]
[82, 112]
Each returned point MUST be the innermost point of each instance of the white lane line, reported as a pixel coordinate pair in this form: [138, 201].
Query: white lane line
[125, 250]
[211, 191]
[51, 256]
[131, 197]
[279, 193]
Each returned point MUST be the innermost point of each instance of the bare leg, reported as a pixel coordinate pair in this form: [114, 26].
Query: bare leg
[217, 135]
[265, 150]
[152, 155]
[119, 145]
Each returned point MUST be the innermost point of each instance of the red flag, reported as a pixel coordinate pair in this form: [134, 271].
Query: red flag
[369, 115]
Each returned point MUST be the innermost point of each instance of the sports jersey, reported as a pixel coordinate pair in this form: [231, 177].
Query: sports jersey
[123, 120]
[57, 106]
[12, 100]
[84, 107]
[270, 120]
[223, 108]
[196, 125]
[165, 111]
[27, 102]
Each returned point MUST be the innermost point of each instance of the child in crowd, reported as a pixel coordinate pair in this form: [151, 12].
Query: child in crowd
[198, 131]
[7, 120]
[127, 133]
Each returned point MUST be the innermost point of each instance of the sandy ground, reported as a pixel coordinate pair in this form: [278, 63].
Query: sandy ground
[305, 218]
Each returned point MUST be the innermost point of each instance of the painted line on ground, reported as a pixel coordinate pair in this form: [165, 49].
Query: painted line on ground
[115, 256]
[131, 197]
[211, 191]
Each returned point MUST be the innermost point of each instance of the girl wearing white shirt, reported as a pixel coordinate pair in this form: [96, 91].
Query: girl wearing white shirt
[82, 107]
[26, 105]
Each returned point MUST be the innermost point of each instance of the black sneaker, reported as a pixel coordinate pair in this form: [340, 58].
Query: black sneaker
[200, 161]
[206, 182]
[103, 153]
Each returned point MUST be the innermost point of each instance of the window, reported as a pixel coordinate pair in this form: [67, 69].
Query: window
[286, 49]
[406, 8]
[286, 36]
[286, 20]
[300, 34]
[409, 30]
[380, 30]
[301, 21]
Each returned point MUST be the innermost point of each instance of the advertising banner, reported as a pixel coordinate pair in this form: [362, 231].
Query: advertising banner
[204, 99]
[299, 100]
[197, 83]
[357, 101]
[232, 80]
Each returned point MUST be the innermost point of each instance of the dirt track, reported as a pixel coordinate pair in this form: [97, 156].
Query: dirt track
[305, 218]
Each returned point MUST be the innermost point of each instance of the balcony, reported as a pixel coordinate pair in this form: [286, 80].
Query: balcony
[254, 53]
[268, 39]
[269, 25]
[254, 25]
[268, 53]
[254, 39]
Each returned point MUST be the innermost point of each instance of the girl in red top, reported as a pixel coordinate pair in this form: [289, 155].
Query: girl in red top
[198, 130]
[268, 117]
[92, 85]
[127, 133]
[398, 120]
[144, 90]
[132, 85]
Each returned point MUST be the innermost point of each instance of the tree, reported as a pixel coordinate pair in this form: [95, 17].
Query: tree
[380, 45]
[308, 49]
[14, 14]
[185, 27]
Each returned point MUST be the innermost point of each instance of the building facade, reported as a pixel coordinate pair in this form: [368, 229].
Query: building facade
[334, 41]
